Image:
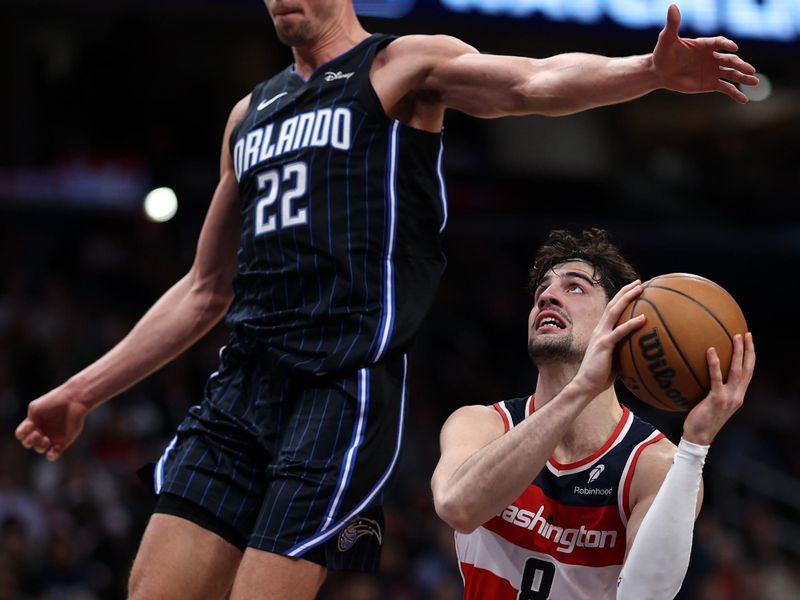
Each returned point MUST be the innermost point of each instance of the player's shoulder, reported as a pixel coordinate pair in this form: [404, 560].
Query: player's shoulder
[240, 108]
[474, 416]
[654, 462]
[425, 47]
[474, 411]
[659, 452]
[237, 113]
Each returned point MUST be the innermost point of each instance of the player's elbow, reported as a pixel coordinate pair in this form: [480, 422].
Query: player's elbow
[220, 301]
[541, 94]
[212, 295]
[455, 513]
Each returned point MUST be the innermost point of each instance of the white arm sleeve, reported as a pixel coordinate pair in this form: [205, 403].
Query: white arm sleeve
[657, 562]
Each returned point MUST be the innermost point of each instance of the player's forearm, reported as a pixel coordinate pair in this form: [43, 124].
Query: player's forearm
[185, 313]
[570, 83]
[494, 477]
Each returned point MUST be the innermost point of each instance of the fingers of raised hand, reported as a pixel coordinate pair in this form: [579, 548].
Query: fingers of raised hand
[743, 362]
[734, 62]
[749, 355]
[718, 43]
[673, 19]
[627, 328]
[731, 90]
[737, 76]
[735, 372]
[618, 304]
[623, 298]
[714, 370]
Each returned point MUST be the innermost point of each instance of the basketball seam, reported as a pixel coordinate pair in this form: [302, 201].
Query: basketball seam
[688, 276]
[675, 343]
[636, 366]
[701, 305]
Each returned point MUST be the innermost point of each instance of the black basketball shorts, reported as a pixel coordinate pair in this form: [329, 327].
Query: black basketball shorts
[295, 465]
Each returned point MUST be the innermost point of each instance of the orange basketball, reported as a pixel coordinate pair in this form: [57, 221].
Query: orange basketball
[664, 363]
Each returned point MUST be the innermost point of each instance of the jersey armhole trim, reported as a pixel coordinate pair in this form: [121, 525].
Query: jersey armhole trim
[500, 407]
[631, 469]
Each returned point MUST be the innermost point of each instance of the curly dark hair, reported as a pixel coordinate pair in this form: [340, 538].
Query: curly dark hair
[611, 270]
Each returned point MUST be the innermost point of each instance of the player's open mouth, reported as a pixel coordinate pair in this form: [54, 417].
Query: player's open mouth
[550, 320]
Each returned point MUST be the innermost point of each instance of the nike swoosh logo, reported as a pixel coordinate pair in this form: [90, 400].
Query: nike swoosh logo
[266, 103]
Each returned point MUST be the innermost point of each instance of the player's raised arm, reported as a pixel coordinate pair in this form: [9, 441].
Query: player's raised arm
[666, 492]
[177, 320]
[458, 76]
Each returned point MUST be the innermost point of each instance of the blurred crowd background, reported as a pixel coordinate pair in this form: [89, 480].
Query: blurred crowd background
[104, 101]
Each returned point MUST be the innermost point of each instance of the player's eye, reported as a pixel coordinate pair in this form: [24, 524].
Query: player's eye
[574, 288]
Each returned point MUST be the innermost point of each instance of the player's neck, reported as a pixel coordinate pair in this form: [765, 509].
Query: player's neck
[341, 36]
[592, 427]
[553, 377]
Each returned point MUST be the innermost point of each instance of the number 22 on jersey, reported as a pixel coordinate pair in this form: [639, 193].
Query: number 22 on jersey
[290, 182]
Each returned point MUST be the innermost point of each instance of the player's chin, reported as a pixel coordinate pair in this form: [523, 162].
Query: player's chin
[293, 30]
[555, 343]
[548, 333]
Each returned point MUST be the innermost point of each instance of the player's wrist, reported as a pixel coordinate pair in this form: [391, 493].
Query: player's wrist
[581, 389]
[650, 75]
[74, 389]
[693, 448]
[698, 438]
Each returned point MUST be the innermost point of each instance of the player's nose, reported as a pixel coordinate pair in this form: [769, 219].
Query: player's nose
[549, 297]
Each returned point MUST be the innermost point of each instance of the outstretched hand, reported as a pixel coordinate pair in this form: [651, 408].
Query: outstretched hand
[53, 422]
[706, 419]
[596, 370]
[698, 65]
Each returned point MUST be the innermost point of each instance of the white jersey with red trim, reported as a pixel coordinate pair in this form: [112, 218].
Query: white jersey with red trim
[564, 537]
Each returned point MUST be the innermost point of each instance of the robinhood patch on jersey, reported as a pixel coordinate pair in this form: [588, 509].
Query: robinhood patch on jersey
[313, 129]
[355, 529]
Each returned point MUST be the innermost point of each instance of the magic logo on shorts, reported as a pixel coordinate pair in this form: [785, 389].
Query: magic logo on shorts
[357, 528]
[566, 539]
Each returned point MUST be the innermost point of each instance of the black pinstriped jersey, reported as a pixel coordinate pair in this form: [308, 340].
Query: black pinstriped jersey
[342, 214]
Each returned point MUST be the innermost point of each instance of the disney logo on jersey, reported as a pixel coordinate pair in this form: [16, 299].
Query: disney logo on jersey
[331, 76]
[357, 528]
[565, 538]
[314, 129]
[595, 473]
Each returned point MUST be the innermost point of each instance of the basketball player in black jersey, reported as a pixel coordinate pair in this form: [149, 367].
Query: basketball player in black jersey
[564, 493]
[322, 245]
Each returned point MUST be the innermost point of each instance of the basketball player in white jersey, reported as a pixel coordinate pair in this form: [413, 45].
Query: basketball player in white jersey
[565, 495]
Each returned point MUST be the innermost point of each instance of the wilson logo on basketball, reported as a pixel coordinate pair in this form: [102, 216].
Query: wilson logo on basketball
[653, 352]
